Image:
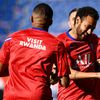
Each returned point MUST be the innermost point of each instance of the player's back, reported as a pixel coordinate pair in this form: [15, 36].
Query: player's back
[32, 53]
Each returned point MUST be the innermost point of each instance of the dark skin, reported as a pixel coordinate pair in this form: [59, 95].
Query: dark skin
[40, 22]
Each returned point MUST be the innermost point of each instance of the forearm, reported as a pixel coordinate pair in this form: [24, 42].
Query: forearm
[98, 60]
[81, 75]
[1, 67]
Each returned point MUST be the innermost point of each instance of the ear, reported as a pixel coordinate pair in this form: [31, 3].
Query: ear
[31, 18]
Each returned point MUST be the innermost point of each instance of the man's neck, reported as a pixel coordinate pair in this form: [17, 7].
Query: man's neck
[73, 34]
[40, 27]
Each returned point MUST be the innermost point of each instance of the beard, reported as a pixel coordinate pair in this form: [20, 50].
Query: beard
[79, 33]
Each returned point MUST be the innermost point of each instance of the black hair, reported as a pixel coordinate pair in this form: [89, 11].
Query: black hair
[87, 11]
[44, 10]
[73, 10]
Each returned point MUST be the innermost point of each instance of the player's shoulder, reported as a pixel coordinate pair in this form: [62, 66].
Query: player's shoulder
[55, 40]
[19, 33]
[62, 35]
[51, 38]
[16, 34]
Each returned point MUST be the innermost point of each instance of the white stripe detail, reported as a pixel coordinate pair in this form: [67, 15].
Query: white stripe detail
[8, 39]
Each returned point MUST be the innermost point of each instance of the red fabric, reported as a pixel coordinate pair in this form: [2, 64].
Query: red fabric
[82, 55]
[98, 49]
[30, 54]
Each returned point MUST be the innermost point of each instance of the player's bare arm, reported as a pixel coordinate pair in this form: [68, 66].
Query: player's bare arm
[81, 75]
[98, 60]
[64, 80]
[1, 67]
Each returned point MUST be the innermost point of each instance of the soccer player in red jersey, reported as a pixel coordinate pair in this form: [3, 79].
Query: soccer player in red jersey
[29, 55]
[82, 44]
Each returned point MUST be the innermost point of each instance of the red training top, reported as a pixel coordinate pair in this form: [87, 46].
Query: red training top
[82, 55]
[30, 54]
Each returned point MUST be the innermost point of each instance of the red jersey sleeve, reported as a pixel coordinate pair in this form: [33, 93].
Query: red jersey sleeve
[4, 51]
[4, 57]
[63, 64]
[98, 49]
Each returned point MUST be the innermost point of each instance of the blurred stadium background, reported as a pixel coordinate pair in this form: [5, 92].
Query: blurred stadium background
[15, 15]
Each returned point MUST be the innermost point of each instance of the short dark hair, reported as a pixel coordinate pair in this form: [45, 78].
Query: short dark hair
[73, 10]
[44, 10]
[87, 11]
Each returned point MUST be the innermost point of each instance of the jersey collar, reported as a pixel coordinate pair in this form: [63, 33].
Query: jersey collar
[67, 33]
[38, 28]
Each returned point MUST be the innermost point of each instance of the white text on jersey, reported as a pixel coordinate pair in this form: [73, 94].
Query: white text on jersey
[33, 43]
